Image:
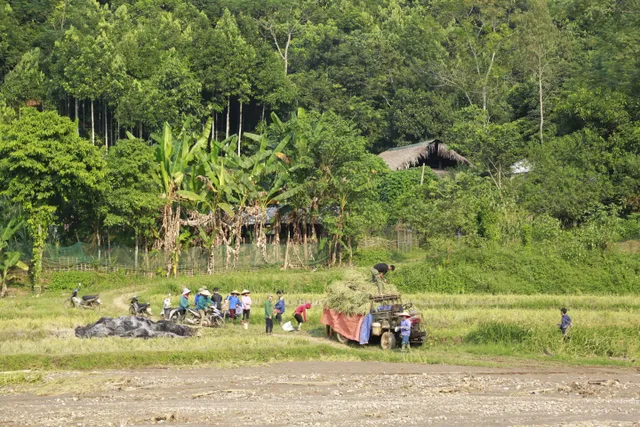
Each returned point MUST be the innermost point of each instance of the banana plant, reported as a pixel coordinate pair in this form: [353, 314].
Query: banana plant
[9, 260]
[175, 156]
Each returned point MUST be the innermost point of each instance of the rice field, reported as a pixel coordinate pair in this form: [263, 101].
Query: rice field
[37, 332]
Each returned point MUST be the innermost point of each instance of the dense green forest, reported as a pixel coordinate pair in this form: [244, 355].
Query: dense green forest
[166, 124]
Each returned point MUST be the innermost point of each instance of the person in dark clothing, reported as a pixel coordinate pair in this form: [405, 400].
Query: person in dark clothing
[377, 274]
[217, 298]
[565, 322]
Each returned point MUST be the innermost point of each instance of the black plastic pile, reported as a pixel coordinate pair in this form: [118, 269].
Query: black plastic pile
[132, 327]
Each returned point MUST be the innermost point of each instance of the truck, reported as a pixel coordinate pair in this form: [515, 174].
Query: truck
[384, 323]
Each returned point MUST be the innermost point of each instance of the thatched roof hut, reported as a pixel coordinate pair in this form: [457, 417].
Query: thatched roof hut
[432, 153]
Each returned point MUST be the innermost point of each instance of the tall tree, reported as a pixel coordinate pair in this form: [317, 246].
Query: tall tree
[45, 167]
[539, 48]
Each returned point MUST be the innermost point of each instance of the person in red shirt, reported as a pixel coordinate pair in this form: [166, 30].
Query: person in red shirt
[301, 314]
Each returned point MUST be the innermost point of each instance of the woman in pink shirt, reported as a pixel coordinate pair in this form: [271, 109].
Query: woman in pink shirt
[246, 306]
[301, 314]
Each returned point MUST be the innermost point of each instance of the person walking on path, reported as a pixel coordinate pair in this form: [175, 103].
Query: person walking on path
[203, 302]
[565, 322]
[234, 302]
[268, 314]
[405, 329]
[246, 306]
[377, 274]
[301, 314]
[279, 307]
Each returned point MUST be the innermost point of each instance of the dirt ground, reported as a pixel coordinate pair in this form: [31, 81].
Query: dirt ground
[327, 394]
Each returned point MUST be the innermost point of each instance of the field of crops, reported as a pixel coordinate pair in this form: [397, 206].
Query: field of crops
[37, 332]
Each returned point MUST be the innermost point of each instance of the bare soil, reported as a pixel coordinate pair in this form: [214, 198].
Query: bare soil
[327, 394]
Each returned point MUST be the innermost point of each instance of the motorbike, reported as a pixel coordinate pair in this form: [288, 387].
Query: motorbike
[190, 315]
[215, 317]
[87, 301]
[136, 308]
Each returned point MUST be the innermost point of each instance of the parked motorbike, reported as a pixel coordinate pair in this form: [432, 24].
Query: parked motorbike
[136, 308]
[87, 301]
[214, 317]
[190, 316]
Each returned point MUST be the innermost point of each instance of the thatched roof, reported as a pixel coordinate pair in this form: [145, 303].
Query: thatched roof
[411, 155]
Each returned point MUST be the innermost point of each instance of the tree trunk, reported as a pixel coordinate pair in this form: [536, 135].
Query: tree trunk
[140, 130]
[213, 127]
[4, 287]
[76, 119]
[541, 104]
[137, 251]
[286, 250]
[106, 127]
[99, 240]
[228, 115]
[93, 125]
[240, 128]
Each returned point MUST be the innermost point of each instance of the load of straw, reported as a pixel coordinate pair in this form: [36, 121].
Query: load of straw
[351, 295]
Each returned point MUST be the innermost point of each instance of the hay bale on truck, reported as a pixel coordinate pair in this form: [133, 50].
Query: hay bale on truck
[354, 312]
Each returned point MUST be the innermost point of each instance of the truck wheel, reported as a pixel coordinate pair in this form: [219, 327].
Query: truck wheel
[341, 338]
[388, 341]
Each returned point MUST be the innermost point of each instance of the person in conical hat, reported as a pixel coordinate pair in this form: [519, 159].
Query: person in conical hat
[405, 329]
[203, 302]
[234, 302]
[184, 300]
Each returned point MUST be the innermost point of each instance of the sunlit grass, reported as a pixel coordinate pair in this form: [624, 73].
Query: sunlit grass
[38, 332]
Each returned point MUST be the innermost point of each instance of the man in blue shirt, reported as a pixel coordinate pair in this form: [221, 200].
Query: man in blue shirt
[565, 322]
[279, 307]
[234, 301]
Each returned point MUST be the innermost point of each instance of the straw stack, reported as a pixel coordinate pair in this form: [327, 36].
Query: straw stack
[351, 295]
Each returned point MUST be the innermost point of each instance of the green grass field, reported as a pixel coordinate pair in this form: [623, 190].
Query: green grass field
[37, 332]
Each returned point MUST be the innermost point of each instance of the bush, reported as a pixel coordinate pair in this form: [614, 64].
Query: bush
[371, 256]
[68, 280]
[536, 269]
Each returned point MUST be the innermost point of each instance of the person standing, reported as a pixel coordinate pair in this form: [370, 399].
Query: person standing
[279, 307]
[234, 302]
[405, 329]
[246, 306]
[565, 322]
[217, 298]
[377, 274]
[301, 314]
[268, 314]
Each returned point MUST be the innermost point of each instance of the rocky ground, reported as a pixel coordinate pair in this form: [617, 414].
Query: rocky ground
[327, 394]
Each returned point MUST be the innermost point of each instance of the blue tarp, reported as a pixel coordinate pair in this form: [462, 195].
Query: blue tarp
[365, 329]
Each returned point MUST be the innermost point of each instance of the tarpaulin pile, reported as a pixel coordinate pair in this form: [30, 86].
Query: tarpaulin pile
[132, 327]
[356, 327]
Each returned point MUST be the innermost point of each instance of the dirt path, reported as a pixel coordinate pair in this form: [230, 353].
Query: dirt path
[327, 394]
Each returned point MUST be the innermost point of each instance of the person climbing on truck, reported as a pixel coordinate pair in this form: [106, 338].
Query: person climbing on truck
[378, 272]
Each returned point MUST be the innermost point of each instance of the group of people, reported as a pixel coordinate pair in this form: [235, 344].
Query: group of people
[238, 305]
